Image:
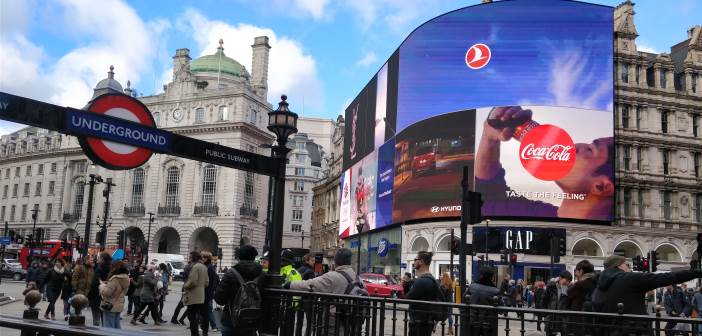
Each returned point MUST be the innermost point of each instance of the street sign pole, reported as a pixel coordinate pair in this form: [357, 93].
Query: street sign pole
[465, 215]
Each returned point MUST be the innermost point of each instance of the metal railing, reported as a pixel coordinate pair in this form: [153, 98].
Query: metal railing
[43, 327]
[247, 211]
[169, 210]
[134, 211]
[206, 210]
[329, 314]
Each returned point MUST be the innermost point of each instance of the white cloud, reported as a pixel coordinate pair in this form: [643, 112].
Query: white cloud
[642, 46]
[367, 59]
[316, 8]
[110, 33]
[398, 15]
[366, 10]
[290, 70]
[572, 86]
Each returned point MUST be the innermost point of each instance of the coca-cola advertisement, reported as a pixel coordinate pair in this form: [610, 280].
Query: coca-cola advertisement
[521, 92]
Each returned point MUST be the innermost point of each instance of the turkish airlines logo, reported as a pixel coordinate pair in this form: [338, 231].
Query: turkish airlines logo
[478, 56]
[547, 152]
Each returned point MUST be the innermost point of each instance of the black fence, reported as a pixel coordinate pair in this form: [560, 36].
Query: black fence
[42, 327]
[328, 314]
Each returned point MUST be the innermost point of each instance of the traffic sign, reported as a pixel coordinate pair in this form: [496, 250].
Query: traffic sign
[5, 241]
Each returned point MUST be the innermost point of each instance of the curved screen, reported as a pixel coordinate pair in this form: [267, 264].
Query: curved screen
[520, 92]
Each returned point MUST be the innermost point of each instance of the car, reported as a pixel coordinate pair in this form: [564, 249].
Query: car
[12, 270]
[424, 160]
[382, 285]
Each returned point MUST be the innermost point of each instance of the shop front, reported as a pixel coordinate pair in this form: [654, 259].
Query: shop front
[380, 251]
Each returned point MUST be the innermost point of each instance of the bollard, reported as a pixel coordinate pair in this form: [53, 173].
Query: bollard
[31, 313]
[78, 302]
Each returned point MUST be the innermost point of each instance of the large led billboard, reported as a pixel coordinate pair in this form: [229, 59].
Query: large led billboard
[520, 92]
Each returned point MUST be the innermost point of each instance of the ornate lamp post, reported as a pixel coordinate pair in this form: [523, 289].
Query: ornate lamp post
[360, 222]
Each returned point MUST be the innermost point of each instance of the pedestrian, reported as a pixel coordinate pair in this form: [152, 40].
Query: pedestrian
[482, 292]
[53, 284]
[407, 282]
[147, 297]
[228, 288]
[163, 291]
[213, 282]
[447, 291]
[306, 271]
[290, 274]
[112, 294]
[82, 277]
[617, 284]
[194, 294]
[425, 288]
[519, 293]
[579, 297]
[66, 291]
[555, 299]
[675, 306]
[538, 302]
[510, 294]
[134, 273]
[697, 306]
[102, 270]
[179, 306]
[339, 281]
[32, 273]
[41, 275]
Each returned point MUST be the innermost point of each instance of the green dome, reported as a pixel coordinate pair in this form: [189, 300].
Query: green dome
[218, 63]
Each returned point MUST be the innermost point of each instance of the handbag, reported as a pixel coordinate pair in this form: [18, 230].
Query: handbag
[106, 306]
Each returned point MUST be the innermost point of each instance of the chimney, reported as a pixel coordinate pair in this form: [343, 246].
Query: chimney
[181, 62]
[259, 65]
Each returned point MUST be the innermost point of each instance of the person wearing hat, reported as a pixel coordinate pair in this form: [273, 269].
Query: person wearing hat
[227, 289]
[290, 274]
[555, 298]
[482, 292]
[618, 284]
[264, 262]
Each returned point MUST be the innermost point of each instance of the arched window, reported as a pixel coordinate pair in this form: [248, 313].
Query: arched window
[78, 199]
[157, 118]
[138, 188]
[172, 186]
[209, 185]
[200, 115]
[222, 113]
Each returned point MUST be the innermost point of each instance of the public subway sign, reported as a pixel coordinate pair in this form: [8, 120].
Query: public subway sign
[118, 132]
[518, 239]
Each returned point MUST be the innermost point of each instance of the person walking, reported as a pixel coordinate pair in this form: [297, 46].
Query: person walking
[447, 290]
[102, 270]
[179, 306]
[482, 292]
[53, 284]
[618, 284]
[32, 273]
[290, 274]
[306, 271]
[82, 277]
[194, 294]
[134, 273]
[674, 303]
[112, 294]
[697, 305]
[227, 289]
[213, 282]
[147, 298]
[425, 288]
[66, 291]
[538, 302]
[163, 291]
[579, 297]
[41, 275]
[554, 299]
[339, 281]
[407, 282]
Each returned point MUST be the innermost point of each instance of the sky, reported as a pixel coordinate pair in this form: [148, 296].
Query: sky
[323, 52]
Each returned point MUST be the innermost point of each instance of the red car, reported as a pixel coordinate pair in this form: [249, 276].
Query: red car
[382, 285]
[424, 160]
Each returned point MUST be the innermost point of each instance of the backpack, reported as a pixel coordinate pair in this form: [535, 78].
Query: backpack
[439, 315]
[245, 308]
[356, 311]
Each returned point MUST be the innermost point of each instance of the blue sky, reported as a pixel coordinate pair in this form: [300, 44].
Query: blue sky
[324, 51]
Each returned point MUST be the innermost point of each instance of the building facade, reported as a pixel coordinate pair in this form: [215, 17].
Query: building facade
[195, 206]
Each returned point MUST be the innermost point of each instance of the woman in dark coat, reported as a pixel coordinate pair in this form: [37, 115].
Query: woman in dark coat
[66, 291]
[54, 284]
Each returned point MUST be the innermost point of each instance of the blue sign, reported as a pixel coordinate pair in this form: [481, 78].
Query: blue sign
[383, 247]
[5, 241]
[93, 124]
[403, 265]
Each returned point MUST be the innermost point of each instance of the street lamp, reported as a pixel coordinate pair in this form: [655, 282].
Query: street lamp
[360, 222]
[148, 238]
[94, 179]
[302, 235]
[106, 194]
[32, 244]
[241, 234]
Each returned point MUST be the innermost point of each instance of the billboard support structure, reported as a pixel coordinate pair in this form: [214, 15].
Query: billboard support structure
[464, 230]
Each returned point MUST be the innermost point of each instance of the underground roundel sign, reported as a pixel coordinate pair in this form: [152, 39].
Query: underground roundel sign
[114, 155]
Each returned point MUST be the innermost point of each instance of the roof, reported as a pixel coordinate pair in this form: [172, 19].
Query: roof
[218, 63]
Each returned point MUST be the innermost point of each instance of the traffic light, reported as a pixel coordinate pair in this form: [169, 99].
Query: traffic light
[455, 245]
[561, 246]
[11, 234]
[636, 263]
[556, 248]
[505, 256]
[653, 260]
[513, 259]
[120, 239]
[476, 204]
[98, 236]
[645, 266]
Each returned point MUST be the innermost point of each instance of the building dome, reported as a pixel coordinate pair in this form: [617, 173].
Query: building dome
[218, 63]
[109, 83]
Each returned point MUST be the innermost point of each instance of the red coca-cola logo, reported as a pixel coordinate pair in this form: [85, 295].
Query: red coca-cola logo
[478, 56]
[547, 152]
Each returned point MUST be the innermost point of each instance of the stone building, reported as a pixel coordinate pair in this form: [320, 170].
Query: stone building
[195, 205]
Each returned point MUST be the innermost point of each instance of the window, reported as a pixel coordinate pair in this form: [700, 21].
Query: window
[26, 190]
[664, 121]
[627, 157]
[639, 158]
[299, 186]
[698, 208]
[49, 210]
[47, 143]
[53, 168]
[29, 171]
[157, 118]
[78, 200]
[23, 214]
[296, 227]
[17, 171]
[299, 158]
[7, 173]
[209, 185]
[624, 72]
[638, 71]
[640, 203]
[138, 188]
[172, 186]
[253, 116]
[666, 161]
[249, 190]
[666, 195]
[12, 213]
[698, 162]
[663, 79]
[14, 190]
[638, 117]
[51, 187]
[199, 115]
[694, 83]
[222, 113]
[625, 116]
[2, 213]
[37, 190]
[40, 170]
[297, 200]
[5, 189]
[301, 146]
[81, 167]
[297, 215]
[695, 128]
[300, 171]
[627, 202]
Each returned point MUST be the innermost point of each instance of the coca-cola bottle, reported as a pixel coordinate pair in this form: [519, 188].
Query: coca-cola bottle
[522, 125]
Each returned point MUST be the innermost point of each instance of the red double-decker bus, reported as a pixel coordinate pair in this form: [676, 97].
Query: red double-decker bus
[48, 250]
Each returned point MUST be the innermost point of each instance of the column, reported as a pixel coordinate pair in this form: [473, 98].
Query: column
[642, 76]
[688, 81]
[669, 80]
[699, 84]
[656, 75]
[632, 75]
